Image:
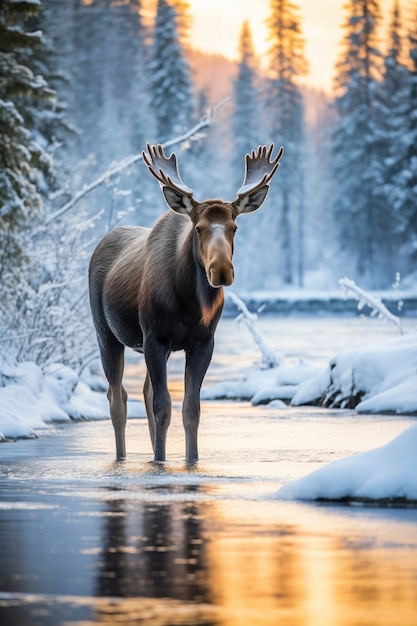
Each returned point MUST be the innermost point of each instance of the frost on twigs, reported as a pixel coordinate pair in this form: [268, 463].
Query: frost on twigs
[365, 299]
[117, 167]
[269, 359]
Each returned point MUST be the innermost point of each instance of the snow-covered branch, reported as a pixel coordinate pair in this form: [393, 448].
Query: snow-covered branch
[120, 166]
[269, 359]
[373, 302]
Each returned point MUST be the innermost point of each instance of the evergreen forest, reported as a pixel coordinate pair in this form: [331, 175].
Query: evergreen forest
[85, 84]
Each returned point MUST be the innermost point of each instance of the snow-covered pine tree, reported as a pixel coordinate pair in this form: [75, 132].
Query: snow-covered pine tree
[89, 33]
[169, 75]
[184, 19]
[25, 163]
[407, 179]
[246, 118]
[247, 135]
[394, 95]
[358, 140]
[128, 115]
[286, 127]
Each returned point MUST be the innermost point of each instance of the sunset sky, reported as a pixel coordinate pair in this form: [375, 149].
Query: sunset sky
[217, 24]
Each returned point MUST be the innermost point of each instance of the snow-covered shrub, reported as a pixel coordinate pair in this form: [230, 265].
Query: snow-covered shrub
[48, 318]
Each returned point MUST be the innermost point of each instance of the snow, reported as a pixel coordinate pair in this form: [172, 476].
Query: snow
[382, 377]
[376, 379]
[263, 385]
[385, 473]
[32, 399]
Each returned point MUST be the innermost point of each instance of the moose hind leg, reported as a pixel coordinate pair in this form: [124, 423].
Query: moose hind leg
[156, 356]
[112, 358]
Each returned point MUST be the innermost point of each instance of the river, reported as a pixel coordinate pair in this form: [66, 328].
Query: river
[85, 540]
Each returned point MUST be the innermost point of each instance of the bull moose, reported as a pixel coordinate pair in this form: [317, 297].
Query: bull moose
[159, 290]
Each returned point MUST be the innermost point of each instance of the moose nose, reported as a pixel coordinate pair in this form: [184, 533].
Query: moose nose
[221, 275]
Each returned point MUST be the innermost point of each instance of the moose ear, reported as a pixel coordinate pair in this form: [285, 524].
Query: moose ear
[252, 201]
[178, 202]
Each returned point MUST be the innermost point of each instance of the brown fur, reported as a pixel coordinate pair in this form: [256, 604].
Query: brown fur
[208, 313]
[159, 290]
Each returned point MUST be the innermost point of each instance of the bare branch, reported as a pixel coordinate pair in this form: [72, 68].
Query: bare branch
[373, 302]
[120, 166]
[269, 359]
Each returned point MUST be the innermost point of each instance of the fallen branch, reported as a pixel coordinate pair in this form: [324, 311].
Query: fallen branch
[269, 359]
[373, 302]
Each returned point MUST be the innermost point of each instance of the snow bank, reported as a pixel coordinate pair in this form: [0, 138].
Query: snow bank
[31, 399]
[387, 473]
[264, 385]
[379, 379]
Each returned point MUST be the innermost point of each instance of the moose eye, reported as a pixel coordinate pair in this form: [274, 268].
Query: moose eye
[198, 230]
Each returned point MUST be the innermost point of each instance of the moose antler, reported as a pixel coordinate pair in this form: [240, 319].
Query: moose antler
[165, 169]
[259, 169]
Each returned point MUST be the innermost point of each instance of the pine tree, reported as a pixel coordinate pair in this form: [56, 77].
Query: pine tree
[247, 135]
[169, 75]
[286, 119]
[184, 19]
[246, 118]
[357, 141]
[407, 178]
[25, 164]
[394, 105]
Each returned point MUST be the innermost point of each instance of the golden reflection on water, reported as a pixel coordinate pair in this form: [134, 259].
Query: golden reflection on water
[238, 563]
[304, 576]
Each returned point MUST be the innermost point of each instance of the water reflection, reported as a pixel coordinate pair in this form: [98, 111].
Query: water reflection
[234, 563]
[86, 542]
[155, 550]
[184, 556]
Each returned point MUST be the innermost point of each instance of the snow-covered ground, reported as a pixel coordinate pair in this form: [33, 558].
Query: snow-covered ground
[31, 399]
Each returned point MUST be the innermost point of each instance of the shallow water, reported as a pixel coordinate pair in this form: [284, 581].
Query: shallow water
[85, 540]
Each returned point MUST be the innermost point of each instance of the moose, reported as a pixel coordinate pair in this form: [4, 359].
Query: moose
[161, 289]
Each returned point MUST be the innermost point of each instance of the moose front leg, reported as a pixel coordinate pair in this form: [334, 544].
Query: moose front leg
[196, 364]
[156, 356]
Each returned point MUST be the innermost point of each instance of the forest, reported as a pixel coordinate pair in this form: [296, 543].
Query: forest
[84, 84]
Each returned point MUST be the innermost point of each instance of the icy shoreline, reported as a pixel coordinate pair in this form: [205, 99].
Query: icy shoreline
[377, 379]
[318, 302]
[381, 378]
[32, 400]
[385, 475]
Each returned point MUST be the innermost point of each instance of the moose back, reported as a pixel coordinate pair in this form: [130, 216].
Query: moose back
[161, 289]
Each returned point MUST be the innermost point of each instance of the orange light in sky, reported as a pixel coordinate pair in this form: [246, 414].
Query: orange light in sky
[217, 24]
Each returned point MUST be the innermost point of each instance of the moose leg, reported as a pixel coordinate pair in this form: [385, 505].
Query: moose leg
[148, 396]
[156, 356]
[196, 364]
[112, 358]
